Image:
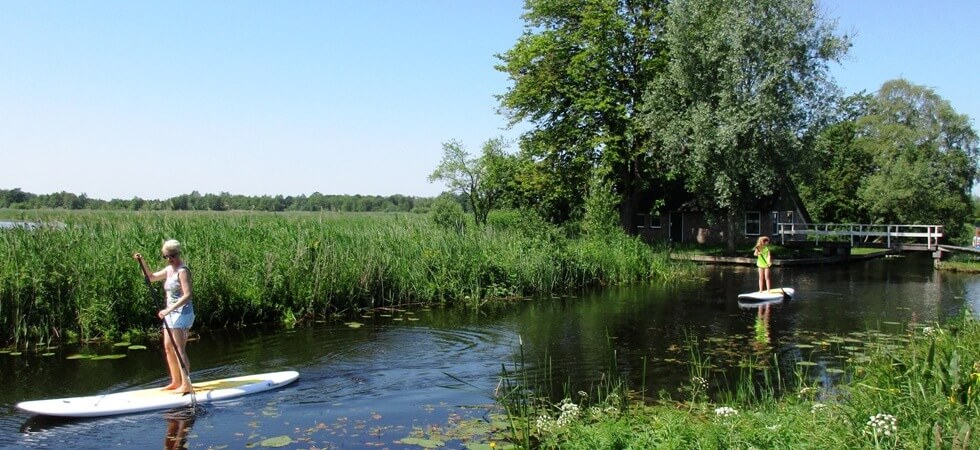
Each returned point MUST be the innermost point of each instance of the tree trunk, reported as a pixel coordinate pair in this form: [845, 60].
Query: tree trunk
[730, 227]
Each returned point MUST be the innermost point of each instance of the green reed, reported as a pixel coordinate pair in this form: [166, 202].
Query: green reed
[920, 390]
[77, 276]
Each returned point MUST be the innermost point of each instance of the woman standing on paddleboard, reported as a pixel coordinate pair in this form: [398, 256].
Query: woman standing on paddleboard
[763, 262]
[178, 314]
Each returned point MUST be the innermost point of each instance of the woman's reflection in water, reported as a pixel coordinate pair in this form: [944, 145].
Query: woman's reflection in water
[762, 328]
[177, 430]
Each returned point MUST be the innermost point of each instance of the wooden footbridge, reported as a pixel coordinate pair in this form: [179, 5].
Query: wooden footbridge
[889, 236]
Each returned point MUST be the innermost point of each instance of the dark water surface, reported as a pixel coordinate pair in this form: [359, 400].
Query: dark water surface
[431, 370]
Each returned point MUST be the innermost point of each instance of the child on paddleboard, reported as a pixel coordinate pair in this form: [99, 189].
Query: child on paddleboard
[763, 262]
[178, 314]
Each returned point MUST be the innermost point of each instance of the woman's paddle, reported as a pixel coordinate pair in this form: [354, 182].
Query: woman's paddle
[781, 289]
[180, 356]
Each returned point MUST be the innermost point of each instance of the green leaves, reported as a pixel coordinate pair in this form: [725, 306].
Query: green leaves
[923, 158]
[477, 179]
[746, 81]
[579, 73]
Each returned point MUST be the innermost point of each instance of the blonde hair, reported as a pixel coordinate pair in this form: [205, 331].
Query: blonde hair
[171, 247]
[759, 243]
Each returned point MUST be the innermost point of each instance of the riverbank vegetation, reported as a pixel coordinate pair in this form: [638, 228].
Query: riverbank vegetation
[75, 276]
[746, 249]
[17, 199]
[961, 263]
[917, 390]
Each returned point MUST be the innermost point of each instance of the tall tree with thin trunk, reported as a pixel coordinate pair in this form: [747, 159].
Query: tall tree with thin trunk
[473, 178]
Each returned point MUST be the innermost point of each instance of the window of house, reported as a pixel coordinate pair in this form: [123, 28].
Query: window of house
[753, 223]
[648, 221]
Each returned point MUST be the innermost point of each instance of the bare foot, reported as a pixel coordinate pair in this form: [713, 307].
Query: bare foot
[170, 387]
[185, 389]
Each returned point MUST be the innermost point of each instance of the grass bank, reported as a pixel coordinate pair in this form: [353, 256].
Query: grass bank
[76, 278]
[923, 393]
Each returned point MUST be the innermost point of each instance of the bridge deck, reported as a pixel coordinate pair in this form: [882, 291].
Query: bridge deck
[955, 249]
[858, 233]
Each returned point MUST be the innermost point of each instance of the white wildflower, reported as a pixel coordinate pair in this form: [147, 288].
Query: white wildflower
[699, 383]
[808, 391]
[817, 407]
[545, 424]
[569, 412]
[725, 411]
[595, 412]
[881, 424]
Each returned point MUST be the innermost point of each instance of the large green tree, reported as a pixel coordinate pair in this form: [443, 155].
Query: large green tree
[747, 82]
[578, 74]
[924, 158]
[837, 168]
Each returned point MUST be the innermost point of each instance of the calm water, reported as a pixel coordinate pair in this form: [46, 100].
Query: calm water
[432, 370]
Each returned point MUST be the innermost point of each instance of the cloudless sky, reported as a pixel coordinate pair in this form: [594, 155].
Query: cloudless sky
[117, 99]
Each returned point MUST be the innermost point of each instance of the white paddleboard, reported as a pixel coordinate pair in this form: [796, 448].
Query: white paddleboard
[152, 399]
[771, 294]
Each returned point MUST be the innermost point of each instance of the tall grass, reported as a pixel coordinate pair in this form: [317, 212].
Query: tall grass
[921, 394]
[78, 277]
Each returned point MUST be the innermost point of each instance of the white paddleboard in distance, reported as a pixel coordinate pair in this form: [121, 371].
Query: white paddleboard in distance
[128, 402]
[771, 294]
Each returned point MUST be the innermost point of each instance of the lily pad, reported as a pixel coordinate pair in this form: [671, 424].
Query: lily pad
[112, 356]
[354, 324]
[835, 371]
[423, 442]
[487, 446]
[806, 363]
[121, 344]
[47, 354]
[15, 353]
[79, 356]
[278, 441]
[137, 347]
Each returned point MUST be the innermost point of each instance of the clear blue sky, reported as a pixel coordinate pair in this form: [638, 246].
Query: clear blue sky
[118, 99]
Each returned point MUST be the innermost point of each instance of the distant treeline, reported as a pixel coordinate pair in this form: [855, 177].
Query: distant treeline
[17, 199]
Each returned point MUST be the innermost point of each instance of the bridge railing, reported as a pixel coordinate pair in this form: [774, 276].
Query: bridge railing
[931, 233]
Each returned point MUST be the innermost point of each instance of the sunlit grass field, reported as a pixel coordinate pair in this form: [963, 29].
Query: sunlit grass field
[74, 276]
